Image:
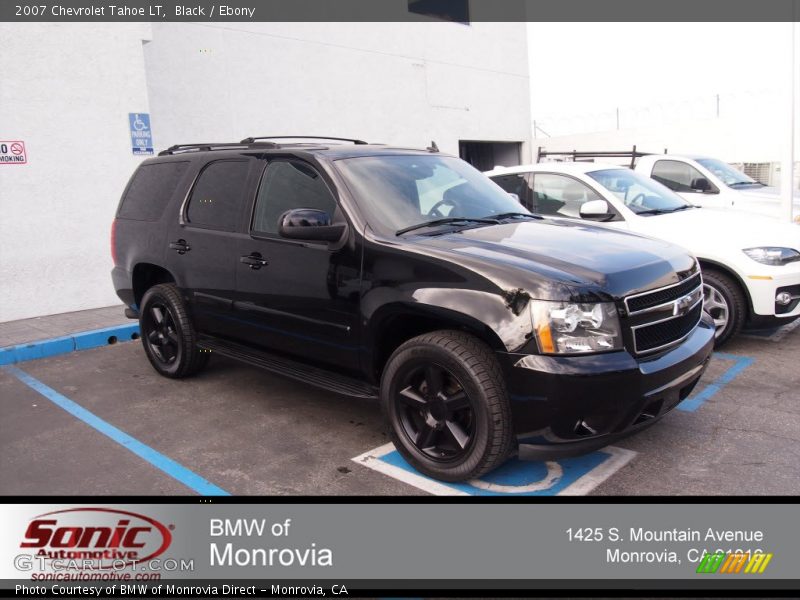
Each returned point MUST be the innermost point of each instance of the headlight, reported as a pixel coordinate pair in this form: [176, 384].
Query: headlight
[567, 328]
[769, 255]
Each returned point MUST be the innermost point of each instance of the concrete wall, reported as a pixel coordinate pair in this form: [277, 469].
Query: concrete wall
[66, 91]
[399, 83]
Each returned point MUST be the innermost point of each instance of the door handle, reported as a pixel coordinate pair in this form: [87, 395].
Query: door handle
[254, 261]
[180, 246]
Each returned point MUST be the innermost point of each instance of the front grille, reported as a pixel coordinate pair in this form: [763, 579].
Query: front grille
[647, 338]
[663, 295]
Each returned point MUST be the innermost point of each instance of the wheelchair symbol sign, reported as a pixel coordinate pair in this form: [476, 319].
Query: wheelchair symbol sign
[565, 477]
[141, 135]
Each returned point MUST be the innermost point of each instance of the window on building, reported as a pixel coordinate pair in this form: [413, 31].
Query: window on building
[285, 186]
[216, 201]
[559, 195]
[676, 175]
[150, 190]
[447, 10]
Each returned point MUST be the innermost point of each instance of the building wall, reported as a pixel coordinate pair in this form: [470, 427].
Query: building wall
[66, 91]
[399, 83]
[69, 90]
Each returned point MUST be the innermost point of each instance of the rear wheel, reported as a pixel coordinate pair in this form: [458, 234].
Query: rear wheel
[725, 302]
[169, 339]
[444, 397]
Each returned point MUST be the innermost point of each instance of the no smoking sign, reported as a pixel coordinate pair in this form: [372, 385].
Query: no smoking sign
[12, 152]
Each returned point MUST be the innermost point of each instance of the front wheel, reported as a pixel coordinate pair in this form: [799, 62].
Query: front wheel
[725, 302]
[444, 397]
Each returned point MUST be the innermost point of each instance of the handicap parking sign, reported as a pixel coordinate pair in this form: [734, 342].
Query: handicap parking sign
[516, 477]
[141, 135]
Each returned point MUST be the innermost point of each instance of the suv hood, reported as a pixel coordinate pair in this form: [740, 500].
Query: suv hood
[545, 257]
[710, 229]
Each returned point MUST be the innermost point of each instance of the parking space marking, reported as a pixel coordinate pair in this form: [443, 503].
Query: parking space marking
[740, 363]
[163, 463]
[68, 343]
[566, 477]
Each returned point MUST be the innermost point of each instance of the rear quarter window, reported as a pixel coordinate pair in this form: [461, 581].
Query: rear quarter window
[150, 190]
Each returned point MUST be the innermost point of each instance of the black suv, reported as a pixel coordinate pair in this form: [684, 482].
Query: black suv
[407, 275]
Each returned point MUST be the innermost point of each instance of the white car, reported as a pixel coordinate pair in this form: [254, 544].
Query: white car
[712, 183]
[750, 264]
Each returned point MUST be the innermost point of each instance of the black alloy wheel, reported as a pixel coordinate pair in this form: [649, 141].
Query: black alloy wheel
[167, 333]
[435, 412]
[158, 326]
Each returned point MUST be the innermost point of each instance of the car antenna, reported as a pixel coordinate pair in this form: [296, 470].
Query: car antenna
[433, 147]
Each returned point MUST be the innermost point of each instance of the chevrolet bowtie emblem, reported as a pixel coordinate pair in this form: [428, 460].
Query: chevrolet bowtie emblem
[681, 305]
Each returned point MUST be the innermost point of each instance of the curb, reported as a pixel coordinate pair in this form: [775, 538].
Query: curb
[83, 340]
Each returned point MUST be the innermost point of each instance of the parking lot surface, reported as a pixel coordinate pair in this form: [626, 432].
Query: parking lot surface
[101, 421]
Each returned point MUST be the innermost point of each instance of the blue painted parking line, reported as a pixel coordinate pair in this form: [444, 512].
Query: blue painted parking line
[163, 463]
[740, 363]
[68, 343]
[565, 477]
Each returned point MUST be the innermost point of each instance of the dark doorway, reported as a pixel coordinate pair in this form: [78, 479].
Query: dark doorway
[485, 156]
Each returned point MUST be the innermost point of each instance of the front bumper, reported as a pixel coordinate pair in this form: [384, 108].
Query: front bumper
[578, 403]
[764, 286]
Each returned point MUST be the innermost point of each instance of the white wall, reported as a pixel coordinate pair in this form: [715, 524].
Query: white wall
[66, 90]
[398, 83]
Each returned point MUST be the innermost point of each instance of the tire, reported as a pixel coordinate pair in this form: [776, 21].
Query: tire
[725, 302]
[464, 429]
[168, 337]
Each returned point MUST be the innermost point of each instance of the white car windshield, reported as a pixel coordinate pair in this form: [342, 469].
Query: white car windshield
[641, 194]
[726, 173]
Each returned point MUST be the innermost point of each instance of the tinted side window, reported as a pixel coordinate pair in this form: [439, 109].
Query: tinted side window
[216, 200]
[676, 175]
[287, 185]
[560, 196]
[150, 190]
[518, 184]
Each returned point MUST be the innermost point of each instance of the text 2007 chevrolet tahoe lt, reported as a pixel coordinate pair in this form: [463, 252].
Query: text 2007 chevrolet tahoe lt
[409, 276]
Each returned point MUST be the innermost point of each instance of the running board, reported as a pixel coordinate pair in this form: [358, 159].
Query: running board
[320, 378]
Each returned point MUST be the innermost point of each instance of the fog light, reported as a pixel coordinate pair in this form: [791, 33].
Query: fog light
[783, 298]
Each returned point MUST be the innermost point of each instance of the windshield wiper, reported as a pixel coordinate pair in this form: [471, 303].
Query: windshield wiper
[445, 221]
[511, 215]
[664, 211]
[735, 183]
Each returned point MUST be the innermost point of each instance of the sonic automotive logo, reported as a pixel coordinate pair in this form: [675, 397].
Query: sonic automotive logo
[108, 537]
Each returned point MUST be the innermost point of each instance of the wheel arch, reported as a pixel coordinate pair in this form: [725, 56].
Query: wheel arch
[145, 276]
[398, 324]
[716, 266]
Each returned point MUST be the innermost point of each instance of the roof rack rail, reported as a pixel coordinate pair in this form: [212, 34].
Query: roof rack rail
[204, 147]
[577, 154]
[250, 140]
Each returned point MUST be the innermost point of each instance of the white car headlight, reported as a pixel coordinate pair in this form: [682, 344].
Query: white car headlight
[569, 328]
[769, 255]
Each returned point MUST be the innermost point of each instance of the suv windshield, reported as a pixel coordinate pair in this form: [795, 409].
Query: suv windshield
[727, 174]
[639, 193]
[401, 191]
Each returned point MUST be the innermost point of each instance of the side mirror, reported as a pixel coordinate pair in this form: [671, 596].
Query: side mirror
[595, 210]
[701, 184]
[514, 196]
[309, 224]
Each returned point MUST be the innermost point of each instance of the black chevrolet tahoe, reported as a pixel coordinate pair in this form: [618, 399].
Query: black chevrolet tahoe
[408, 276]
